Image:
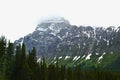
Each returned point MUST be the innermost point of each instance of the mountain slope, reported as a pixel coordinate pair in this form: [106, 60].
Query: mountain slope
[55, 37]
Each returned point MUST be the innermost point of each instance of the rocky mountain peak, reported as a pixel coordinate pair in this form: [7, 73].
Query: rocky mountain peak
[55, 36]
[54, 19]
[53, 24]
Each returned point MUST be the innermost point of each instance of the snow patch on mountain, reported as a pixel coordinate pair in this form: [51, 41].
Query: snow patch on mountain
[83, 56]
[107, 42]
[60, 57]
[97, 53]
[41, 29]
[101, 57]
[76, 58]
[88, 56]
[67, 57]
[22, 42]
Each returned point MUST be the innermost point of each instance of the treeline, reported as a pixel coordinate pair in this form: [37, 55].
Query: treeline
[16, 64]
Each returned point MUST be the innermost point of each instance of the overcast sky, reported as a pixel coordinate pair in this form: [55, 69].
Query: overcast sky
[20, 17]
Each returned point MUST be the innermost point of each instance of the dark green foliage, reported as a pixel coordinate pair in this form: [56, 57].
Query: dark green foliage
[17, 70]
[2, 52]
[52, 72]
[62, 72]
[33, 65]
[8, 64]
[69, 74]
[2, 46]
[15, 64]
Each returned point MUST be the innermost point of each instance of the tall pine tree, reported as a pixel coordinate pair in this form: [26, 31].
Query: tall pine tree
[2, 56]
[8, 62]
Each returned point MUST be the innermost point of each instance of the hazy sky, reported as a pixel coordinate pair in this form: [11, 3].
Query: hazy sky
[20, 17]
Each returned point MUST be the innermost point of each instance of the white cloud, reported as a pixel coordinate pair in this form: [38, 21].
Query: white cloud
[20, 17]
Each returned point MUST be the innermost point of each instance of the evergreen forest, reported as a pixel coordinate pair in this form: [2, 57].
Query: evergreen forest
[16, 64]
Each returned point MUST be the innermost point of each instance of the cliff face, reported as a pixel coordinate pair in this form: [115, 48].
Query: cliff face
[56, 37]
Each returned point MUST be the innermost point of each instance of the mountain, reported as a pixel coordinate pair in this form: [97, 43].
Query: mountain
[56, 37]
[46, 36]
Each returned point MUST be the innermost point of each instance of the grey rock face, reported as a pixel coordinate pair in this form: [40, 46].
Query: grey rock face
[56, 37]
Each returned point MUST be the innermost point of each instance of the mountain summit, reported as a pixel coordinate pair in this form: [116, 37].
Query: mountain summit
[47, 35]
[54, 24]
[54, 19]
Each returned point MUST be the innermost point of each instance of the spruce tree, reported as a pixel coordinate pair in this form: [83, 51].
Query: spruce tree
[2, 46]
[2, 56]
[2, 50]
[8, 62]
[62, 72]
[69, 75]
[24, 65]
[17, 71]
[51, 72]
[10, 59]
[43, 70]
[33, 65]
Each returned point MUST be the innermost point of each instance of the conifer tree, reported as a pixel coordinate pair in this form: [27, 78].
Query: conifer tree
[24, 65]
[2, 50]
[77, 73]
[17, 71]
[2, 56]
[2, 46]
[69, 75]
[32, 61]
[43, 70]
[33, 65]
[8, 62]
[62, 72]
[51, 72]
